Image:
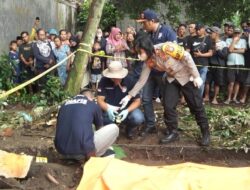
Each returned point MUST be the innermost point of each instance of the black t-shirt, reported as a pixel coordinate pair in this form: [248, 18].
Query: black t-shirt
[182, 42]
[189, 40]
[114, 94]
[74, 133]
[195, 43]
[26, 50]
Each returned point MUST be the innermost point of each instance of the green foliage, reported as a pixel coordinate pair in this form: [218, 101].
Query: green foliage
[109, 15]
[232, 126]
[119, 152]
[229, 126]
[6, 73]
[173, 12]
[134, 8]
[204, 11]
[217, 11]
[51, 94]
[53, 90]
[236, 19]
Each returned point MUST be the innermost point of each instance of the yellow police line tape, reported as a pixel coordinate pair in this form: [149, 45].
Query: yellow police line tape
[5, 94]
[108, 56]
[223, 67]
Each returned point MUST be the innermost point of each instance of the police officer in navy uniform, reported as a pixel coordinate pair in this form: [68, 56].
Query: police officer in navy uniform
[75, 138]
[113, 87]
[160, 33]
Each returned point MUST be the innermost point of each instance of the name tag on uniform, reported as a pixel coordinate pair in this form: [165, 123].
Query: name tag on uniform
[76, 101]
[109, 88]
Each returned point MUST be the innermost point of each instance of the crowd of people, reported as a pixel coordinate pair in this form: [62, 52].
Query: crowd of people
[223, 58]
[192, 66]
[33, 53]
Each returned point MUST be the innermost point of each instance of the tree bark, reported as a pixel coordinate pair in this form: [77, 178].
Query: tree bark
[76, 75]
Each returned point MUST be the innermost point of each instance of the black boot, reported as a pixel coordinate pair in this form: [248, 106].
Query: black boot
[147, 130]
[172, 136]
[129, 132]
[205, 136]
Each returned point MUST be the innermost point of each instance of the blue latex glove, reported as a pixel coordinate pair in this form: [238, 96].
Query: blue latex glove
[123, 114]
[111, 113]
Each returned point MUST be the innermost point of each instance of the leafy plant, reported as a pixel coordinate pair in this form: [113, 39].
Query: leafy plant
[119, 152]
[229, 126]
[6, 73]
[133, 8]
[53, 91]
[215, 11]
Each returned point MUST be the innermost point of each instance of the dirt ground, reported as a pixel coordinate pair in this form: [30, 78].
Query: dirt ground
[37, 140]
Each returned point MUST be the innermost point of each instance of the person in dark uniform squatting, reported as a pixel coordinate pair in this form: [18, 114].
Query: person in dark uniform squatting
[113, 87]
[75, 138]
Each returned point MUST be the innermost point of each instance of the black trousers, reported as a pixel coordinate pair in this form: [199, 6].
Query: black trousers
[193, 99]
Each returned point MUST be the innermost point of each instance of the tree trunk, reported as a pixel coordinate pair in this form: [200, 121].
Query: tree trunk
[81, 59]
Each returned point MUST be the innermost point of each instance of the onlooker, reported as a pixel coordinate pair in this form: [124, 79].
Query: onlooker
[63, 36]
[235, 60]
[47, 36]
[131, 44]
[181, 35]
[114, 86]
[19, 41]
[191, 31]
[61, 52]
[220, 53]
[75, 138]
[97, 65]
[228, 30]
[36, 26]
[130, 39]
[52, 34]
[43, 54]
[79, 35]
[26, 58]
[246, 73]
[116, 46]
[14, 61]
[106, 35]
[69, 35]
[160, 33]
[99, 38]
[200, 47]
[130, 30]
[74, 43]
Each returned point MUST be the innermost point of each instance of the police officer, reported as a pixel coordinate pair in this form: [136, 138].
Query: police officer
[160, 33]
[75, 138]
[182, 75]
[113, 87]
